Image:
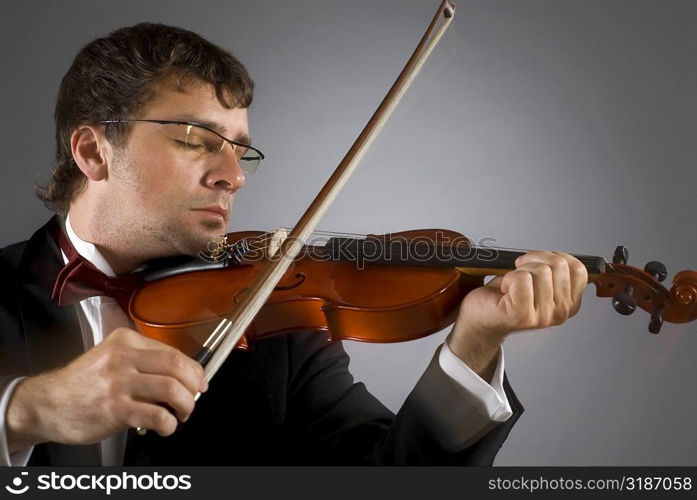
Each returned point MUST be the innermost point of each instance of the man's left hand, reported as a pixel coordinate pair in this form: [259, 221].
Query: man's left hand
[544, 290]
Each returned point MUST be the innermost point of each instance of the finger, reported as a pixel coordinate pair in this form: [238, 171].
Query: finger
[563, 300]
[579, 281]
[561, 280]
[560, 271]
[542, 288]
[532, 256]
[570, 281]
[518, 299]
[150, 416]
[567, 297]
[131, 338]
[172, 363]
[160, 389]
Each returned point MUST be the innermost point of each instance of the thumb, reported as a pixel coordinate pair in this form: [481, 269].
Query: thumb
[492, 292]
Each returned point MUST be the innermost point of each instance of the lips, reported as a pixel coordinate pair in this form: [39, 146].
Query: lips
[223, 212]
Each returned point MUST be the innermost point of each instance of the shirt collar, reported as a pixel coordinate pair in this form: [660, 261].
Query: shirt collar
[88, 250]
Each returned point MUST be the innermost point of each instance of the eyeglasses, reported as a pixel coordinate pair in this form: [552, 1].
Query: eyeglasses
[197, 141]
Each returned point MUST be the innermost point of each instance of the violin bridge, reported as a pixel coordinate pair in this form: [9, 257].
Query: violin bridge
[276, 241]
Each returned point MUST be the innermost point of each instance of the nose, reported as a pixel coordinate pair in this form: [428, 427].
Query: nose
[225, 172]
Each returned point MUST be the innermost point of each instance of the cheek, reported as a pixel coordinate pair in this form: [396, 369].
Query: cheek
[164, 183]
[160, 194]
[155, 183]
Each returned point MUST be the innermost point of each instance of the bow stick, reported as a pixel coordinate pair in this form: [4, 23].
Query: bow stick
[232, 328]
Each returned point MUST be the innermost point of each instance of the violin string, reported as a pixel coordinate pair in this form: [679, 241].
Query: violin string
[267, 235]
[264, 238]
[257, 242]
[474, 247]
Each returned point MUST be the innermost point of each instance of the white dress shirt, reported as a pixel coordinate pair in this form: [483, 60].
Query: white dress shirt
[487, 403]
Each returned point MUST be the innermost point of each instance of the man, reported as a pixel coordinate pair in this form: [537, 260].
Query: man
[153, 136]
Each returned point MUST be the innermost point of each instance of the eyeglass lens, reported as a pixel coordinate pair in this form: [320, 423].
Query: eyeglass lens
[200, 141]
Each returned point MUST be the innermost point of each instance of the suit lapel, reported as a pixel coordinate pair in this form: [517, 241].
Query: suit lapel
[52, 332]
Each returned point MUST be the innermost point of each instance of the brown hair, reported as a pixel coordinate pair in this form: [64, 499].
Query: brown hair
[114, 77]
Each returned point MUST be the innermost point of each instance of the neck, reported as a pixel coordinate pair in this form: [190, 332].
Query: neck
[118, 252]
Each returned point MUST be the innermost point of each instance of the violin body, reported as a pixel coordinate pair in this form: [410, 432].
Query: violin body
[372, 302]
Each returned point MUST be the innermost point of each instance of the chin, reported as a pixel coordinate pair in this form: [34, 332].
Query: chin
[213, 225]
[195, 236]
[209, 232]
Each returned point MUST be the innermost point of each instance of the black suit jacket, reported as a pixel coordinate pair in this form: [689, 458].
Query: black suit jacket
[288, 400]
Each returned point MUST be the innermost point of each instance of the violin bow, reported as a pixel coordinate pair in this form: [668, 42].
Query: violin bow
[232, 328]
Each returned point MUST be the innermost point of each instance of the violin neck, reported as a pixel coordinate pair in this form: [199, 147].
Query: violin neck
[505, 261]
[483, 261]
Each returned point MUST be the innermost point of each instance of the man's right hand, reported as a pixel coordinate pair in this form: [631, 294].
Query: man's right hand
[123, 382]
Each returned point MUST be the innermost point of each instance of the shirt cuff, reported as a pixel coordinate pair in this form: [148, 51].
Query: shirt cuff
[19, 458]
[491, 398]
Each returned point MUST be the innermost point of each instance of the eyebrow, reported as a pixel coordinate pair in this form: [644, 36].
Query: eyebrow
[241, 138]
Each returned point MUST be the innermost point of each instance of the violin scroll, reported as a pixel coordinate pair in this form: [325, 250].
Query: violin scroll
[630, 288]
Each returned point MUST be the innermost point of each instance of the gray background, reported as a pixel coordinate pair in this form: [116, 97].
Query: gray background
[566, 125]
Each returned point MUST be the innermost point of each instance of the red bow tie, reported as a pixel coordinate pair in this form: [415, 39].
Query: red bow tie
[79, 279]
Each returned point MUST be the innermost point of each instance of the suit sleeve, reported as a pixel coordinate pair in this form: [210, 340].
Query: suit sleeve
[20, 458]
[13, 363]
[341, 422]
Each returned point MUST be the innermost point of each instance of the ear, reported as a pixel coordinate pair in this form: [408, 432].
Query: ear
[90, 148]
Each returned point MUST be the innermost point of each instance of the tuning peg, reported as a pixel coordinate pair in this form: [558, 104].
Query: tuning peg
[621, 255]
[656, 269]
[656, 320]
[623, 302]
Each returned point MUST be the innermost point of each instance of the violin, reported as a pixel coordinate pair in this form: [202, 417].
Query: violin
[379, 288]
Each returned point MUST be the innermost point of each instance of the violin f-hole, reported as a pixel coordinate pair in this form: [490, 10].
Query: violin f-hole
[300, 280]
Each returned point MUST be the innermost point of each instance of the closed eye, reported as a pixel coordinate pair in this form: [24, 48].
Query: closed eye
[189, 145]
